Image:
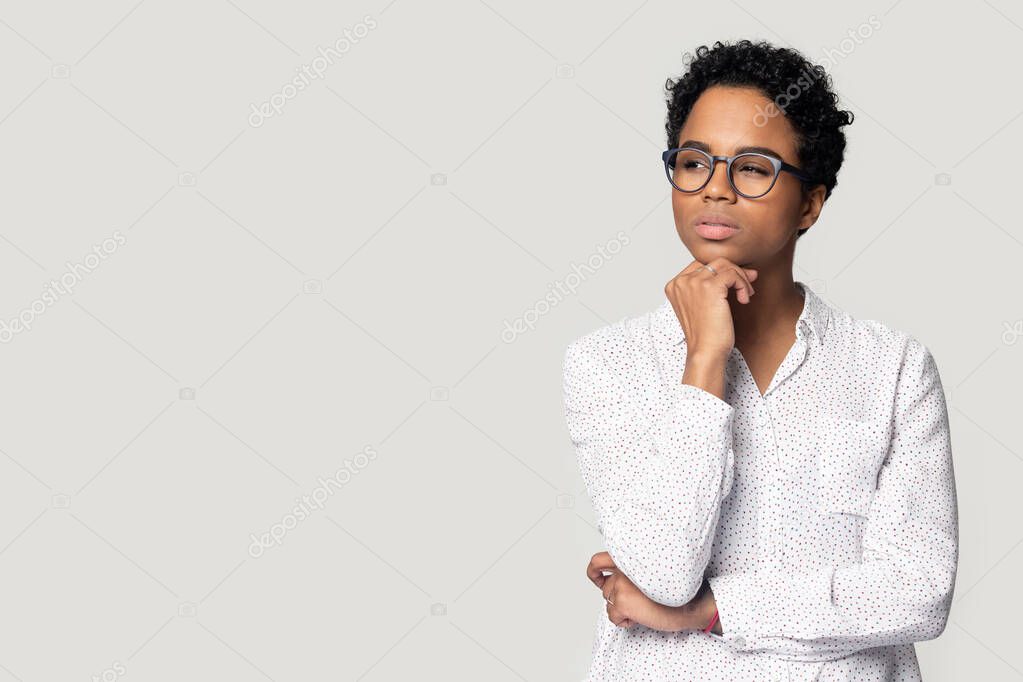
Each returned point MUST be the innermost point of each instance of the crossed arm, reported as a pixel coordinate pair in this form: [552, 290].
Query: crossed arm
[656, 494]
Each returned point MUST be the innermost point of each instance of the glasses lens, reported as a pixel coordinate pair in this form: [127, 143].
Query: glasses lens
[688, 169]
[752, 175]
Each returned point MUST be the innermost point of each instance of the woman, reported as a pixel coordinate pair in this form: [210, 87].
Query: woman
[772, 476]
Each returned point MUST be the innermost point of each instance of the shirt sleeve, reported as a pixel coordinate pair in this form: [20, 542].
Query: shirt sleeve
[656, 486]
[901, 591]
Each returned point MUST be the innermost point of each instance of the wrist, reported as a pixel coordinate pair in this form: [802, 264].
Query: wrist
[680, 618]
[709, 613]
[711, 358]
[689, 616]
[704, 611]
[706, 371]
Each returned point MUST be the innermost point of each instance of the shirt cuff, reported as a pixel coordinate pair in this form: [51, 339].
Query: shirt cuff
[695, 410]
[697, 420]
[730, 593]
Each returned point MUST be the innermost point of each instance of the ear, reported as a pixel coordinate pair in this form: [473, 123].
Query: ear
[813, 204]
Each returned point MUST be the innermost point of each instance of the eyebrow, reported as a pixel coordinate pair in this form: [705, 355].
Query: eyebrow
[738, 150]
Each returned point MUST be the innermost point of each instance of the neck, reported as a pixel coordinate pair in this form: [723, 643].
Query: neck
[773, 310]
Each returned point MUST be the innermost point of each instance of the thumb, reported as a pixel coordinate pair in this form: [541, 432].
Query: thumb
[751, 273]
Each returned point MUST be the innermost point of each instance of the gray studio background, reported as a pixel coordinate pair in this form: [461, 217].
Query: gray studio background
[263, 301]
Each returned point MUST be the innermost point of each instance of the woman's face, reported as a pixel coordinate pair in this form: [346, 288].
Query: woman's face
[723, 120]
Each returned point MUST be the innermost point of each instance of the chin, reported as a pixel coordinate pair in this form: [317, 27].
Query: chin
[708, 249]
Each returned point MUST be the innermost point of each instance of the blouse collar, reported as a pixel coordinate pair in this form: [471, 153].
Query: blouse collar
[814, 318]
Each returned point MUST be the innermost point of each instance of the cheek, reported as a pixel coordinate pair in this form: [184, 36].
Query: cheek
[781, 210]
[677, 209]
[784, 223]
[683, 206]
[771, 219]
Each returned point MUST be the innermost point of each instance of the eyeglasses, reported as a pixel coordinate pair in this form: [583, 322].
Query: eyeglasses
[751, 175]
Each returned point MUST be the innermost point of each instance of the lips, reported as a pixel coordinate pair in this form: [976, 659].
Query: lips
[715, 219]
[715, 226]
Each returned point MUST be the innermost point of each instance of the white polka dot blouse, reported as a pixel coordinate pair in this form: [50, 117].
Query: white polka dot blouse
[822, 513]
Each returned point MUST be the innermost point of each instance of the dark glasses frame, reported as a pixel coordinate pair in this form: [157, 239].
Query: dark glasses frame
[776, 163]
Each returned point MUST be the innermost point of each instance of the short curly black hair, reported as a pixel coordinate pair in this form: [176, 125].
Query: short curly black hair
[797, 87]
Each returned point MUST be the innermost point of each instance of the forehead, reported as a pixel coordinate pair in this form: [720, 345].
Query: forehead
[728, 117]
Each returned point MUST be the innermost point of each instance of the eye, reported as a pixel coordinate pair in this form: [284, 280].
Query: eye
[753, 169]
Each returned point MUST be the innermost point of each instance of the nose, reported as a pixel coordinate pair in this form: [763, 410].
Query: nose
[718, 185]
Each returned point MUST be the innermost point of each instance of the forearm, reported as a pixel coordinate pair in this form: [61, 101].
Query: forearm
[826, 613]
[662, 532]
[656, 481]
